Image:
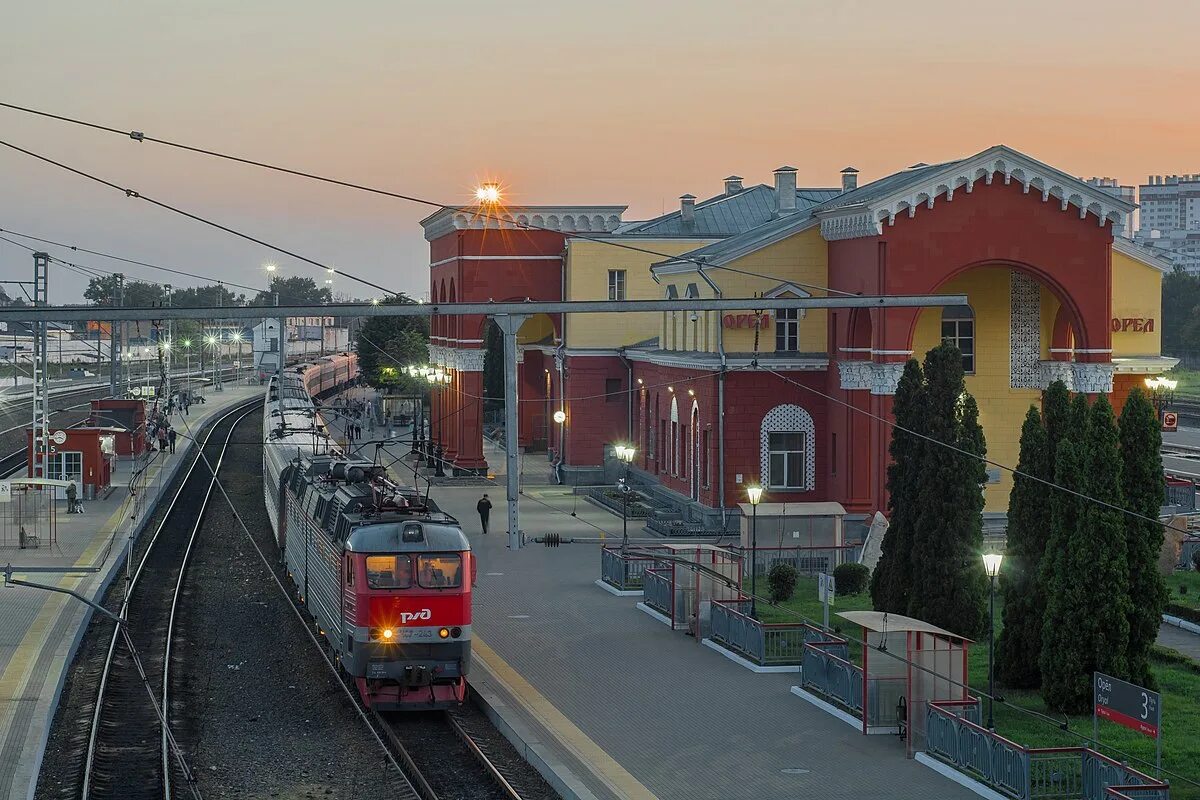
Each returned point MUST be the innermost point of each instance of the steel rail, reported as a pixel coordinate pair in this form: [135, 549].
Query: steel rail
[492, 770]
[93, 734]
[166, 669]
[415, 777]
[743, 304]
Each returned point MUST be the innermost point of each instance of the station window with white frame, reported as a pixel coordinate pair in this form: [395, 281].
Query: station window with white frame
[787, 454]
[787, 330]
[65, 466]
[958, 329]
[616, 284]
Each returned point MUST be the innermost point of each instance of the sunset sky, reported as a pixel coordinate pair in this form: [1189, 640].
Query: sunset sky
[604, 102]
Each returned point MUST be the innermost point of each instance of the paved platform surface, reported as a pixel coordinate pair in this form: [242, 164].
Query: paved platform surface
[39, 631]
[637, 710]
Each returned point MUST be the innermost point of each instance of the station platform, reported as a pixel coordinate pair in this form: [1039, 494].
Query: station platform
[40, 630]
[610, 703]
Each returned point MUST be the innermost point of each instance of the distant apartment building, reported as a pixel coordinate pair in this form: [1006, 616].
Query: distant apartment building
[1113, 187]
[1170, 218]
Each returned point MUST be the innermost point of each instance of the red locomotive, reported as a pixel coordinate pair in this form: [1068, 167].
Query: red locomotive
[385, 575]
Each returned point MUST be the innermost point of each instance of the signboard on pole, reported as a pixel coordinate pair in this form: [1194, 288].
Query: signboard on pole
[825, 592]
[826, 588]
[1128, 705]
[5, 492]
[1170, 421]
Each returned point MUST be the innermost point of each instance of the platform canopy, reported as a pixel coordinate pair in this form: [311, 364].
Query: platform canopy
[881, 622]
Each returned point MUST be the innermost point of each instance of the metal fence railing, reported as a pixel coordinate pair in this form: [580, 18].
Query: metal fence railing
[1181, 495]
[833, 676]
[807, 561]
[766, 644]
[953, 735]
[658, 592]
[623, 571]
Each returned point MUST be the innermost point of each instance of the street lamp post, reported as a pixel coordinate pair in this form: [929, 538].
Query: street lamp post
[625, 455]
[1162, 392]
[755, 495]
[991, 565]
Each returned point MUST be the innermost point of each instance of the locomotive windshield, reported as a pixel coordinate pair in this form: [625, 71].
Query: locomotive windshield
[440, 571]
[389, 572]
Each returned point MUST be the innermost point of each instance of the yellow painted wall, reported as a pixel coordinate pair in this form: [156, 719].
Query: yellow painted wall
[800, 259]
[587, 266]
[1001, 409]
[1137, 292]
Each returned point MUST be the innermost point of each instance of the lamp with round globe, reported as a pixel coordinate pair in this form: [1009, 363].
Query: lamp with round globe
[754, 493]
[991, 565]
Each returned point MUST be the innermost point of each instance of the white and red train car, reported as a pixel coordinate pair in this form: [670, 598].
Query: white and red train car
[384, 574]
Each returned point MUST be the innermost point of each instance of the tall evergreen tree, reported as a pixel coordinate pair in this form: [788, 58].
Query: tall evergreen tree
[1020, 643]
[893, 574]
[1142, 481]
[1094, 610]
[948, 586]
[1061, 660]
[1056, 413]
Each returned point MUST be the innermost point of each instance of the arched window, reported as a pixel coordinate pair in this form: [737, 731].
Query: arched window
[787, 440]
[958, 329]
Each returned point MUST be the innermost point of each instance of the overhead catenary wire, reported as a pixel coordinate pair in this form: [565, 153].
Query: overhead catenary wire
[166, 206]
[125, 260]
[478, 212]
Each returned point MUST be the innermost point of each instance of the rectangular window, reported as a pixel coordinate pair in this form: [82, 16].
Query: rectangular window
[961, 334]
[787, 330]
[705, 464]
[612, 390]
[349, 571]
[389, 572]
[616, 284]
[675, 449]
[440, 572]
[65, 466]
[786, 460]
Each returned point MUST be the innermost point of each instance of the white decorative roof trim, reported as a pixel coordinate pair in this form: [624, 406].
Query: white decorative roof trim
[1142, 254]
[568, 219]
[1144, 365]
[869, 217]
[854, 225]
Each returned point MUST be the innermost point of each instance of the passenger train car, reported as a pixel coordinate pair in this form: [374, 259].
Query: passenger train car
[385, 575]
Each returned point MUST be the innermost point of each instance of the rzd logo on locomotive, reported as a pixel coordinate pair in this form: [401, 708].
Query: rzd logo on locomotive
[412, 616]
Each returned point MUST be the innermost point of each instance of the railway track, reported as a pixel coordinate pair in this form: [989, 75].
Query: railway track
[456, 754]
[129, 754]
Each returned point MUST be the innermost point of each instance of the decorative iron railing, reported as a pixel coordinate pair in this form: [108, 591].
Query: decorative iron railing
[623, 571]
[1049, 773]
[658, 592]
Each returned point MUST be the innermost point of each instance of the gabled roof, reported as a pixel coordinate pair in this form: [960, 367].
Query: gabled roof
[865, 210]
[727, 214]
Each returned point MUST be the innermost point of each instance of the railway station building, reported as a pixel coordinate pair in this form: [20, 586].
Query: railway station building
[797, 400]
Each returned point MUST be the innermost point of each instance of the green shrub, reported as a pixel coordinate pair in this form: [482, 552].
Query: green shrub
[851, 578]
[781, 582]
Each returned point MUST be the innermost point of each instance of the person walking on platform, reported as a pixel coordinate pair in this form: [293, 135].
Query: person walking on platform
[162, 438]
[484, 507]
[171, 434]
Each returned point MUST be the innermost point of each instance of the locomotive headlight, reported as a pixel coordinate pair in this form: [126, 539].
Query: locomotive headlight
[388, 634]
[444, 633]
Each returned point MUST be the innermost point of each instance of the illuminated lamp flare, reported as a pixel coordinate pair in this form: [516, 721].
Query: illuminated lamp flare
[488, 194]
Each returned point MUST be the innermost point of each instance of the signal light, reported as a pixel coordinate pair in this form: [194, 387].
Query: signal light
[444, 633]
[456, 631]
[388, 633]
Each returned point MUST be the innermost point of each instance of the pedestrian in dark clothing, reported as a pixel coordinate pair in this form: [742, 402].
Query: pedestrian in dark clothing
[171, 434]
[484, 507]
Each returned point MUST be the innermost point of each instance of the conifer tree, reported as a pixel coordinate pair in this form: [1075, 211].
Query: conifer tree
[891, 579]
[1145, 493]
[1020, 643]
[948, 588]
[1061, 660]
[1089, 629]
[1056, 413]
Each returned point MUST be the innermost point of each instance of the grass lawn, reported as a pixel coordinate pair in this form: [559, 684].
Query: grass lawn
[1189, 381]
[1178, 679]
[1189, 581]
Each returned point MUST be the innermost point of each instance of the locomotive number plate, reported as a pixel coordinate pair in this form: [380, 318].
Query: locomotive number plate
[376, 669]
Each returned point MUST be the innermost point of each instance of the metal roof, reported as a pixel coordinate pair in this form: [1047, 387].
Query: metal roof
[385, 537]
[727, 214]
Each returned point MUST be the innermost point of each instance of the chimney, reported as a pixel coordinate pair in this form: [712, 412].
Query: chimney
[733, 184]
[687, 209]
[849, 179]
[785, 190]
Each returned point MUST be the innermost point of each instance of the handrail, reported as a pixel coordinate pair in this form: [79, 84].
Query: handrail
[936, 705]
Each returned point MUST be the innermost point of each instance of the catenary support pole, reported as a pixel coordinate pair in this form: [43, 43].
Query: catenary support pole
[509, 325]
